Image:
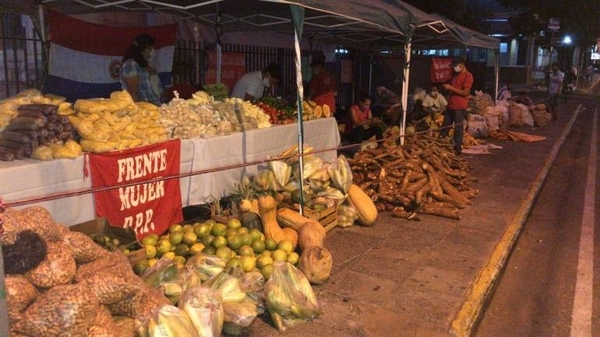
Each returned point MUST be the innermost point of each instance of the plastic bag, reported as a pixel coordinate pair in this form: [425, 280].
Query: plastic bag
[347, 215]
[281, 172]
[340, 173]
[290, 298]
[204, 307]
[167, 321]
[206, 265]
[310, 165]
[519, 115]
[165, 270]
[477, 126]
[238, 316]
[265, 180]
[253, 284]
[228, 286]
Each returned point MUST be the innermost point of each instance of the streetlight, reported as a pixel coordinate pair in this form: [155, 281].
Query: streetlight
[566, 43]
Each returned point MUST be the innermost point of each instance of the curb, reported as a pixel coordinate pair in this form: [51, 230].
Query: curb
[481, 289]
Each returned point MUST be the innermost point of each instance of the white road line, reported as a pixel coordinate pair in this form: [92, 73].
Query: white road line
[581, 317]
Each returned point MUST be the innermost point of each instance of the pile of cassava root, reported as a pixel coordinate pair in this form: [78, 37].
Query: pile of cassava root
[421, 176]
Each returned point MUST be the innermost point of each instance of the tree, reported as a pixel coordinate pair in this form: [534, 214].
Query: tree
[580, 20]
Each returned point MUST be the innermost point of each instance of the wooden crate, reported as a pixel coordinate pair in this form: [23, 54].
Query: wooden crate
[327, 218]
[102, 226]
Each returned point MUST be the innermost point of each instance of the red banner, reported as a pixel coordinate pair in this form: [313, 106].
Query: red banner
[441, 70]
[152, 205]
[233, 66]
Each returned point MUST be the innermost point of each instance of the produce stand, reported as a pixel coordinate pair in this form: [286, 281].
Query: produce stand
[30, 178]
[383, 17]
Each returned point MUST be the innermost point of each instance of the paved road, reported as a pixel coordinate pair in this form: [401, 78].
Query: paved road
[548, 288]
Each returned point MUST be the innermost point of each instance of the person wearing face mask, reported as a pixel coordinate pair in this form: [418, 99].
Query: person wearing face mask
[459, 90]
[251, 86]
[138, 76]
[434, 102]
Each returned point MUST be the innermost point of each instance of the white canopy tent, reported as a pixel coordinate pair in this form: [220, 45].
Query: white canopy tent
[354, 22]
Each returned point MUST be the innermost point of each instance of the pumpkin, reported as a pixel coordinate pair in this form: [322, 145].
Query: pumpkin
[267, 209]
[316, 264]
[310, 234]
[290, 218]
[365, 207]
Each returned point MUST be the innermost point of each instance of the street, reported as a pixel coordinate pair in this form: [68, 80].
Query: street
[547, 287]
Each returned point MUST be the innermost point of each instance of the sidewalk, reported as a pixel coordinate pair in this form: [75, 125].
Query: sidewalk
[430, 277]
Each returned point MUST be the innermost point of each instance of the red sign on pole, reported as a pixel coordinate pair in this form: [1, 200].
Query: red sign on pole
[441, 70]
[148, 207]
[233, 66]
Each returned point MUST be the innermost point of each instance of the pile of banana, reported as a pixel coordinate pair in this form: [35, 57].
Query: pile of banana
[312, 110]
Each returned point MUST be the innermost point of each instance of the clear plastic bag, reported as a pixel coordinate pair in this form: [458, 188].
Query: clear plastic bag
[290, 298]
[340, 173]
[205, 309]
[167, 321]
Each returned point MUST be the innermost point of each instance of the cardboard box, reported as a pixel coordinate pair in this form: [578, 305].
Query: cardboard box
[102, 226]
[327, 217]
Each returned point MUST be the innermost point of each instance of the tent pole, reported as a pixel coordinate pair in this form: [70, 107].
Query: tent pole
[3, 290]
[42, 23]
[3, 302]
[219, 49]
[370, 72]
[496, 75]
[300, 122]
[406, 74]
[370, 77]
[298, 18]
[197, 54]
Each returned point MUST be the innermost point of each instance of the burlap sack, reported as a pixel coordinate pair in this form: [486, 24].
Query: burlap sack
[541, 117]
[19, 295]
[83, 248]
[64, 310]
[59, 267]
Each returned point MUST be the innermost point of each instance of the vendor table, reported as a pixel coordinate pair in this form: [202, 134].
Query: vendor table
[30, 178]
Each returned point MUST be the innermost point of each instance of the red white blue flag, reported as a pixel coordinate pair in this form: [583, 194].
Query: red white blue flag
[85, 58]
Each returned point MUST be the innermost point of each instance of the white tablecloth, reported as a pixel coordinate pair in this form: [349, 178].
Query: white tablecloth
[253, 146]
[30, 178]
